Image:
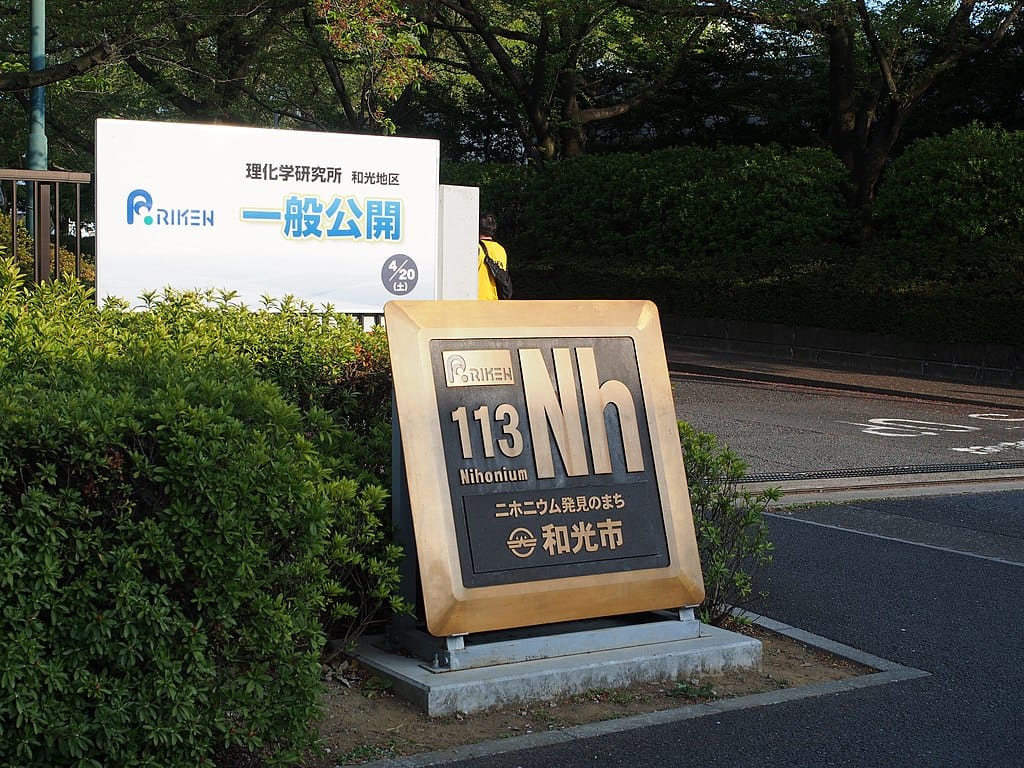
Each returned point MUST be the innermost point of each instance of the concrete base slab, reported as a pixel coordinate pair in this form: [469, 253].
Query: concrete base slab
[488, 649]
[482, 688]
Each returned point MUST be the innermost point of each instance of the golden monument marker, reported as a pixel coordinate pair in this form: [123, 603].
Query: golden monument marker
[544, 470]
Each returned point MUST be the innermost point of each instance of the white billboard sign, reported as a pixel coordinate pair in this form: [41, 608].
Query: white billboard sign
[345, 219]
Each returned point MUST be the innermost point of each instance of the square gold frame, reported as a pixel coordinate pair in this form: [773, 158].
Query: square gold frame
[452, 608]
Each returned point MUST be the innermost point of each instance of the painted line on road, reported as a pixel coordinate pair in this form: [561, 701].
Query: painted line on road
[898, 540]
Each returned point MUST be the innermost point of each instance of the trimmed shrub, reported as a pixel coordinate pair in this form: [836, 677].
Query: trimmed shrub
[618, 224]
[743, 209]
[732, 536]
[174, 533]
[964, 188]
[320, 360]
[340, 379]
[952, 210]
[163, 520]
[758, 233]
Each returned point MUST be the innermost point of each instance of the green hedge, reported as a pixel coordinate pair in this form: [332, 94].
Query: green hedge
[964, 188]
[681, 210]
[177, 528]
[678, 226]
[761, 233]
[340, 379]
[952, 209]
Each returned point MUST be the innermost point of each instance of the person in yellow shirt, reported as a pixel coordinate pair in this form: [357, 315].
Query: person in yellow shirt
[487, 287]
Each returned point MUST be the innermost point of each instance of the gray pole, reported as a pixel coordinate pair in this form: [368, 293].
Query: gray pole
[37, 159]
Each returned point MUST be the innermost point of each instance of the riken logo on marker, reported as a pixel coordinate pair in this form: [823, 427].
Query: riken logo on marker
[140, 209]
[478, 368]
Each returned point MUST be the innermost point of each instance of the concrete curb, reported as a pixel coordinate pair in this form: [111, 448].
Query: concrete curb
[479, 688]
[888, 672]
[831, 491]
[818, 381]
[988, 364]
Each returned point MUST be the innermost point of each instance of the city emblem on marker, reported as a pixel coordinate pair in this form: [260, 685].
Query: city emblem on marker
[522, 542]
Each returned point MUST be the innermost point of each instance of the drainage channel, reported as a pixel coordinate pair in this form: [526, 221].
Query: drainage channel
[920, 469]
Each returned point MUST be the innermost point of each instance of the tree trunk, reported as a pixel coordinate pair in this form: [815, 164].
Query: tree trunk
[860, 137]
[842, 99]
[544, 147]
[571, 131]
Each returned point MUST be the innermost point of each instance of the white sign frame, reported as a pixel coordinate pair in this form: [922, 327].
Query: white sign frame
[347, 220]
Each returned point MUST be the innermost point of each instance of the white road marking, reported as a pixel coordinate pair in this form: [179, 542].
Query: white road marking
[896, 539]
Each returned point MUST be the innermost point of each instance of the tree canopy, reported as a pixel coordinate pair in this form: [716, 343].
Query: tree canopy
[316, 64]
[883, 58]
[537, 81]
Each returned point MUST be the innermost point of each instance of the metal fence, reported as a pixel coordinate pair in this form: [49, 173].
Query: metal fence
[50, 211]
[38, 195]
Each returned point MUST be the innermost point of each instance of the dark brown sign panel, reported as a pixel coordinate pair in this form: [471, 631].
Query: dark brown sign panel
[545, 475]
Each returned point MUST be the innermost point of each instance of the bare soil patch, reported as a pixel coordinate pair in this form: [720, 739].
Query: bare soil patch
[363, 721]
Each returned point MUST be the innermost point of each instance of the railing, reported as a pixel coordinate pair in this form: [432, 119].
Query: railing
[43, 190]
[368, 319]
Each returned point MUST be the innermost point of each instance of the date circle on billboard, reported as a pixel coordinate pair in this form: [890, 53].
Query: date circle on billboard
[399, 274]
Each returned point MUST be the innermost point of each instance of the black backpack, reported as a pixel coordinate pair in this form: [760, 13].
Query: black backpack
[502, 280]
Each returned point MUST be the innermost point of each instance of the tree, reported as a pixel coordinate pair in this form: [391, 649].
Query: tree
[556, 67]
[84, 36]
[989, 91]
[370, 51]
[883, 58]
[316, 64]
[742, 84]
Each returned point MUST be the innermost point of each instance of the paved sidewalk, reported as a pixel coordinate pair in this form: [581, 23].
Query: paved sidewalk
[749, 368]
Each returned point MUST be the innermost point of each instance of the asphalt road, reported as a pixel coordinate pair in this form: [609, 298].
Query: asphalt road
[934, 583]
[953, 613]
[779, 428]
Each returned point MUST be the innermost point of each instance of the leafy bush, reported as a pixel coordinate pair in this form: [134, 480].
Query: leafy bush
[26, 255]
[762, 234]
[952, 209]
[642, 218]
[163, 519]
[340, 379]
[743, 209]
[174, 533]
[963, 188]
[732, 536]
[23, 257]
[320, 360]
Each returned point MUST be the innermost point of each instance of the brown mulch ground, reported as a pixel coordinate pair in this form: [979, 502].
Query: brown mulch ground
[364, 721]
